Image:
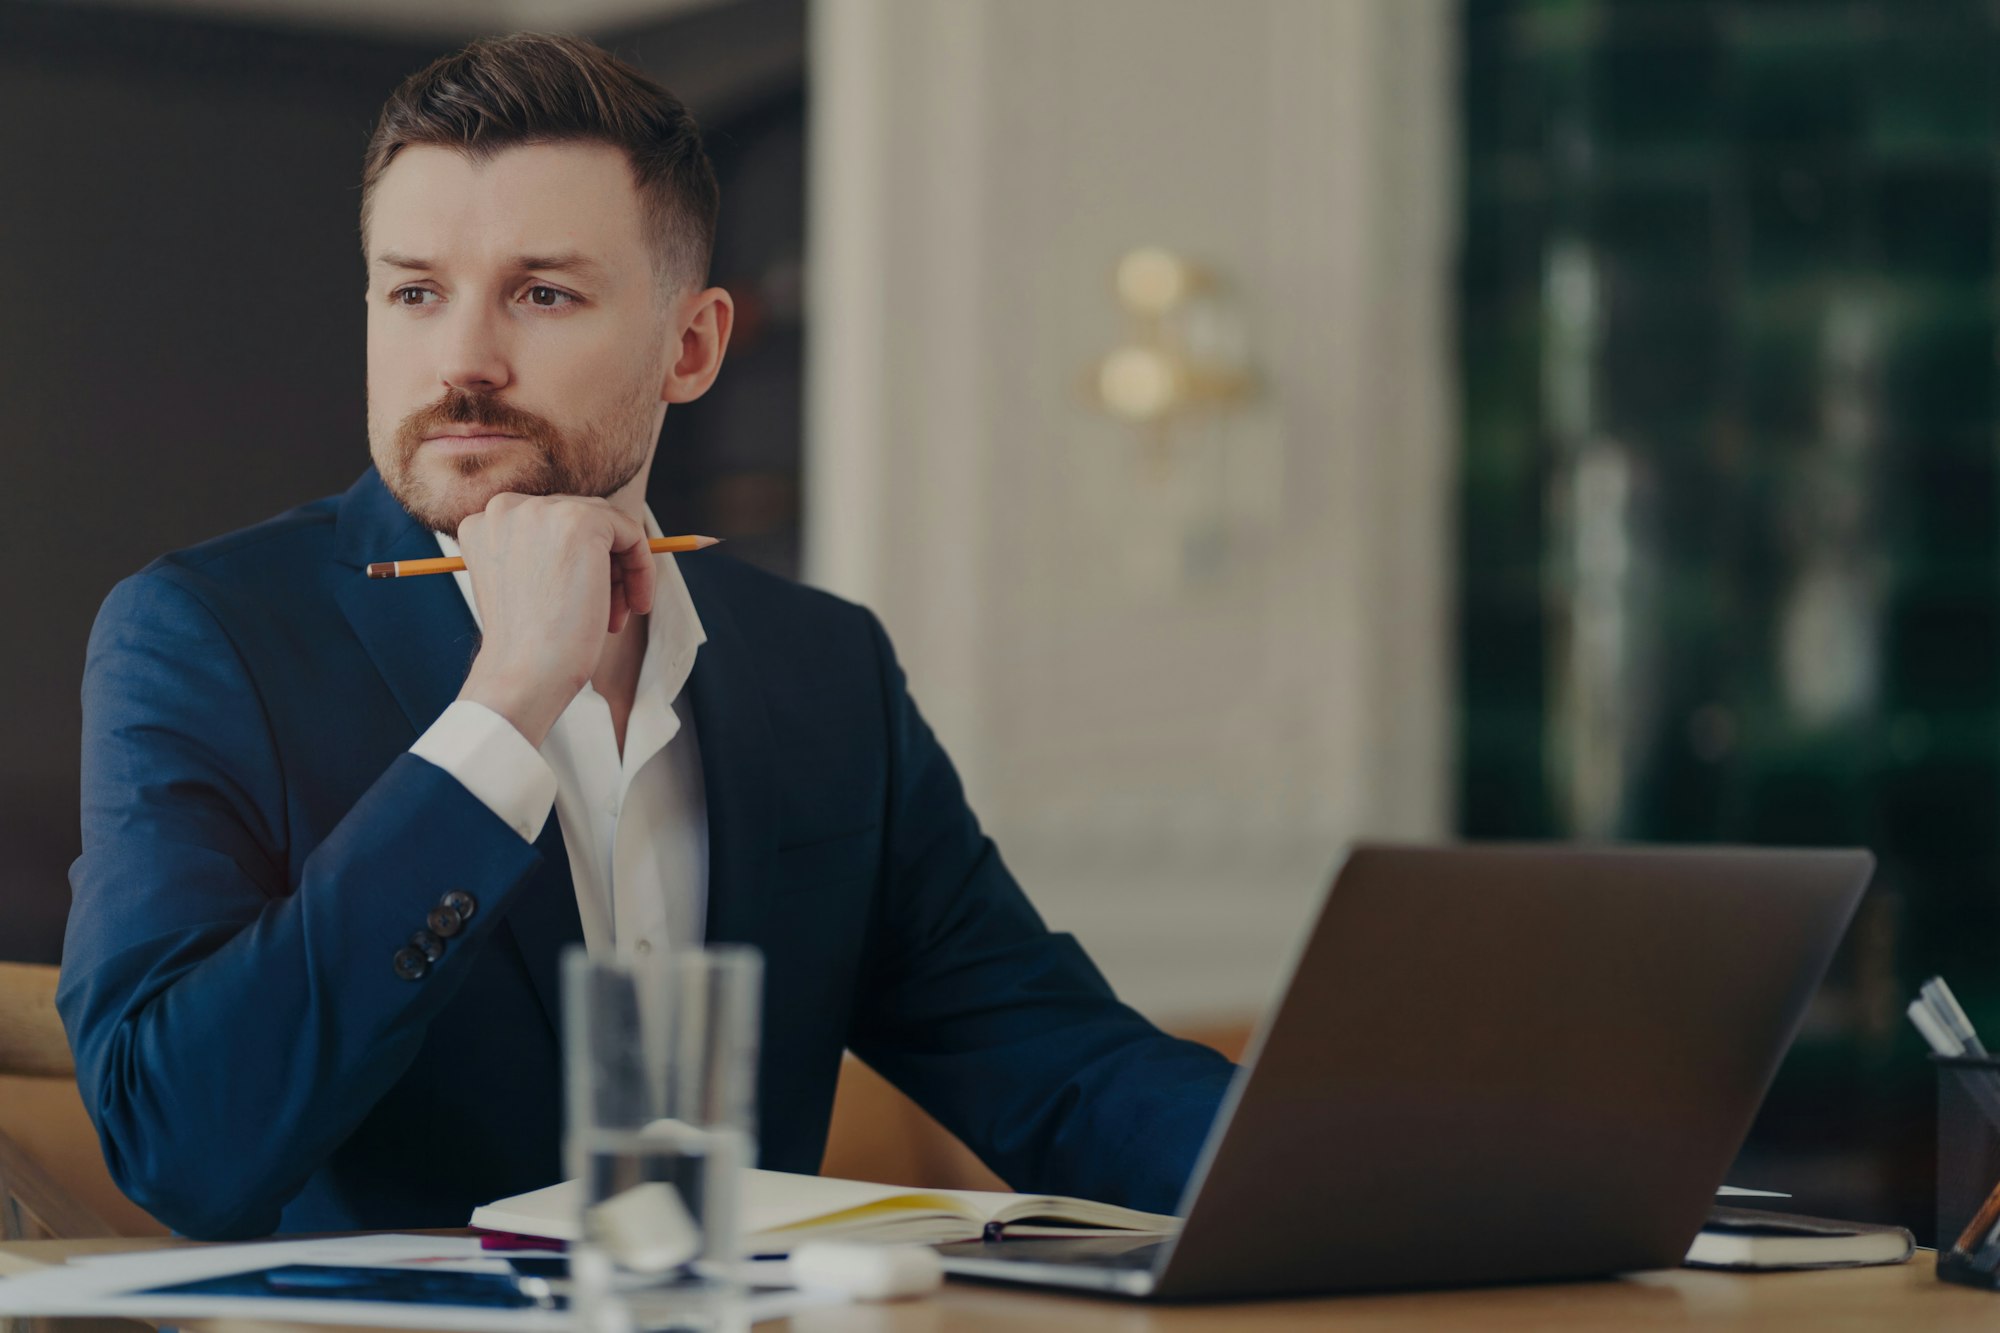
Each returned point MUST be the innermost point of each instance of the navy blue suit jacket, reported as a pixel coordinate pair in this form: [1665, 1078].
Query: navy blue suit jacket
[257, 845]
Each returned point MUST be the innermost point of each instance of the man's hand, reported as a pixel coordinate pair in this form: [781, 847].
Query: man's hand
[553, 575]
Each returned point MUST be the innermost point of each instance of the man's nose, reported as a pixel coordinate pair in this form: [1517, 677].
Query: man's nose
[475, 353]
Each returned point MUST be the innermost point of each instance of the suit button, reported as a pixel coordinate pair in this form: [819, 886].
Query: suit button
[427, 944]
[461, 902]
[411, 965]
[444, 922]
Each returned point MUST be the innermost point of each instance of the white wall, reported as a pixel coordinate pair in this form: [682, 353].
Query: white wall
[1175, 691]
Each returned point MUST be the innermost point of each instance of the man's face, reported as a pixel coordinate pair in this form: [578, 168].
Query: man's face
[517, 335]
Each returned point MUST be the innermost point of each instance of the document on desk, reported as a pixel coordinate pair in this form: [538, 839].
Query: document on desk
[782, 1209]
[388, 1281]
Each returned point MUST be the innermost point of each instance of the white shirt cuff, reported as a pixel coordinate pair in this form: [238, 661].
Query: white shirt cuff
[494, 762]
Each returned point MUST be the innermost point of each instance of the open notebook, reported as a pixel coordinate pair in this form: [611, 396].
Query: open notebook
[781, 1210]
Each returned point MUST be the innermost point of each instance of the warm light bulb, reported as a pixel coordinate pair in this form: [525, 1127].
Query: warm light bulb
[1139, 383]
[1151, 281]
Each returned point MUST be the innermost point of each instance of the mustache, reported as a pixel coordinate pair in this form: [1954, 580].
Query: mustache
[459, 408]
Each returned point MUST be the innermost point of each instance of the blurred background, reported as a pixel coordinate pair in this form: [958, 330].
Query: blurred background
[1260, 426]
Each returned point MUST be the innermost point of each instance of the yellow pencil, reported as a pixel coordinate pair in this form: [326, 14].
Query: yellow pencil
[451, 564]
[1981, 1225]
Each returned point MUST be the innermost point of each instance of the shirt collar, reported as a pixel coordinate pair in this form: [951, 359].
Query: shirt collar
[673, 630]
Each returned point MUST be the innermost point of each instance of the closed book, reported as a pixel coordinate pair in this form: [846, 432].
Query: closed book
[1750, 1238]
[781, 1210]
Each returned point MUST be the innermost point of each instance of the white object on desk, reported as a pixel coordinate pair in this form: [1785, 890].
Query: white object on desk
[866, 1272]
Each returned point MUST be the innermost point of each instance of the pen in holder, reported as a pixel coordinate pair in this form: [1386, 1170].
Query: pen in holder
[1968, 1170]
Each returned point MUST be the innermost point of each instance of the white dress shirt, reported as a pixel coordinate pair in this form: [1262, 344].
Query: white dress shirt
[636, 826]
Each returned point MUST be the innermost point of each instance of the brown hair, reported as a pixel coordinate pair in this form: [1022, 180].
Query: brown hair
[533, 87]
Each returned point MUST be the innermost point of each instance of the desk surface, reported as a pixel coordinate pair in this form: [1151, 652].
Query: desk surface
[1903, 1297]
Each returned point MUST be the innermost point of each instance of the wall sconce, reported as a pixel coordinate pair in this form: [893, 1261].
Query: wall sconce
[1176, 359]
[1202, 484]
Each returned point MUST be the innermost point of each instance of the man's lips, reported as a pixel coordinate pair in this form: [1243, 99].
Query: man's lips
[467, 443]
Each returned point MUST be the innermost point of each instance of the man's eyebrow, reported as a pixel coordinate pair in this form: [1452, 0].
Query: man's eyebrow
[567, 262]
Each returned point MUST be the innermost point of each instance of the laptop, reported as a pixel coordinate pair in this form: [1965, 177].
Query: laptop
[1491, 1064]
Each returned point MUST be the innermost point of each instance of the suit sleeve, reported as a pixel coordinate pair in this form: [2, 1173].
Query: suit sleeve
[1004, 1030]
[232, 1028]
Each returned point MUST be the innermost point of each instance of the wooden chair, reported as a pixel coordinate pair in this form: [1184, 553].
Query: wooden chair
[879, 1134]
[53, 1181]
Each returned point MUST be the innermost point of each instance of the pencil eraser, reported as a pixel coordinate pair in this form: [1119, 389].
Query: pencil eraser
[866, 1272]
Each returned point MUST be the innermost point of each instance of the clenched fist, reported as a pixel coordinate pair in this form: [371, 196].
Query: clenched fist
[553, 575]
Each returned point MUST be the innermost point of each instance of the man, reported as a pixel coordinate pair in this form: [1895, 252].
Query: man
[310, 976]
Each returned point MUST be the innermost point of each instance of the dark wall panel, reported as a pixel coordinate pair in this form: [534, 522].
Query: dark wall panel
[183, 349]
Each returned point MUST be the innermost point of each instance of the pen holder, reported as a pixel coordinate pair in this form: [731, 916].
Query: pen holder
[1968, 1169]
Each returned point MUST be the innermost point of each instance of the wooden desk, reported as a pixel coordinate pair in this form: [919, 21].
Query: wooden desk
[1899, 1298]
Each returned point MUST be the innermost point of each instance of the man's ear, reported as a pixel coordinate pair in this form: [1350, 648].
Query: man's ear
[705, 321]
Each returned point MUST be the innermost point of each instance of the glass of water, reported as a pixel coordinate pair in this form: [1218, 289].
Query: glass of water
[660, 1056]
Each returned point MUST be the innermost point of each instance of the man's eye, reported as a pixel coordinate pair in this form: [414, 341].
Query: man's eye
[401, 294]
[549, 296]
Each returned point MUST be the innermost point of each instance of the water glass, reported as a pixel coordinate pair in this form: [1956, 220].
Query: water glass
[660, 1057]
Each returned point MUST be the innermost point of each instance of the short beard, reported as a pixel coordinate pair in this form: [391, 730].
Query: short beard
[587, 462]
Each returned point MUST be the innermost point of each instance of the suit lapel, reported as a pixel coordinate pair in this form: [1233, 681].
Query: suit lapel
[421, 637]
[417, 631]
[738, 764]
